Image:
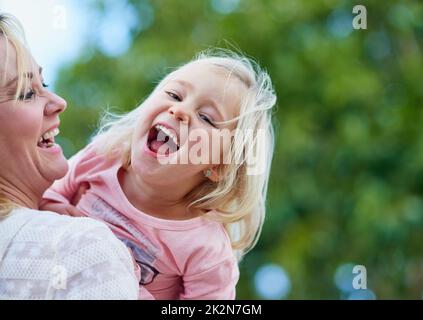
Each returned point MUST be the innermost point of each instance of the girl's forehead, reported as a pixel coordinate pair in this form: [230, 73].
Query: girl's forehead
[206, 74]
[197, 68]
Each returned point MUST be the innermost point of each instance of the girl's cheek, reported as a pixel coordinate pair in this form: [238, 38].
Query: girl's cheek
[211, 147]
[149, 112]
[225, 151]
[154, 107]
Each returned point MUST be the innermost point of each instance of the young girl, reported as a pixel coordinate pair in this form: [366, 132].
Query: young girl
[185, 220]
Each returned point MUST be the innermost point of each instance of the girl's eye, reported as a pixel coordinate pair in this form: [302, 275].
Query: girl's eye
[207, 119]
[27, 96]
[173, 95]
[45, 85]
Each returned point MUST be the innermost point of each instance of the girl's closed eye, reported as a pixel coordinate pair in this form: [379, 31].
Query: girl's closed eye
[173, 95]
[207, 119]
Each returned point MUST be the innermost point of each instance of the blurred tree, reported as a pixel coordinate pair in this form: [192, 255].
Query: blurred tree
[347, 177]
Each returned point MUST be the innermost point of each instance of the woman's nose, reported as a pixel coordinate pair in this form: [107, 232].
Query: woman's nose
[55, 105]
[179, 114]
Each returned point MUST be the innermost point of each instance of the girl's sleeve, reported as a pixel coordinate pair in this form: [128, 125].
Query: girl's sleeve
[215, 283]
[212, 273]
[64, 189]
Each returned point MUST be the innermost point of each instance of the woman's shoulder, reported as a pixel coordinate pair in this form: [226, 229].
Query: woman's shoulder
[93, 259]
[47, 226]
[78, 240]
[49, 219]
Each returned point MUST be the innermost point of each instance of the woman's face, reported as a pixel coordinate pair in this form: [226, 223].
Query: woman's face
[30, 160]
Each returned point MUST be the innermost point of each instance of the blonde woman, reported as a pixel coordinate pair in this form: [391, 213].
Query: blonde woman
[44, 255]
[185, 204]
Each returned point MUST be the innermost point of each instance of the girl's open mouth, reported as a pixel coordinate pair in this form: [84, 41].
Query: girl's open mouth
[162, 140]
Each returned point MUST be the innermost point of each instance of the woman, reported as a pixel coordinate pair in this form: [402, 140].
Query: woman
[44, 255]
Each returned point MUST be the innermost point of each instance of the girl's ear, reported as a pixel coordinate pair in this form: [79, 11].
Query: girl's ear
[213, 174]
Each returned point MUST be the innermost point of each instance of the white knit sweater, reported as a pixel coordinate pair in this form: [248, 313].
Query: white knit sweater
[44, 255]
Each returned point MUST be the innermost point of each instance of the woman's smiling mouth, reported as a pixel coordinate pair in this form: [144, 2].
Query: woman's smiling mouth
[47, 141]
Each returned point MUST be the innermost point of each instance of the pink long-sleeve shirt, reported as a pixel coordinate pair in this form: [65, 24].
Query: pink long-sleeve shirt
[177, 259]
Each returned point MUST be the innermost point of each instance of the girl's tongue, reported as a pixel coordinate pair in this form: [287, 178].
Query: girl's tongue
[155, 147]
[160, 143]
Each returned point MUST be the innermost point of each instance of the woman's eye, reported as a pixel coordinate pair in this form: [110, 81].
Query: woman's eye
[45, 85]
[207, 119]
[27, 96]
[173, 95]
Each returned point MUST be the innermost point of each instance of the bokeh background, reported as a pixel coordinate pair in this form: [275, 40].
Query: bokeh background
[347, 180]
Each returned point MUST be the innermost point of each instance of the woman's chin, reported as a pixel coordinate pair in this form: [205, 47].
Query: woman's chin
[54, 150]
[53, 164]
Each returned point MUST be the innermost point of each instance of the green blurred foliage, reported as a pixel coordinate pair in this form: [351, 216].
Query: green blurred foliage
[347, 177]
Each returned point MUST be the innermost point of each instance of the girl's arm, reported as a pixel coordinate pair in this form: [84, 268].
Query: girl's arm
[65, 208]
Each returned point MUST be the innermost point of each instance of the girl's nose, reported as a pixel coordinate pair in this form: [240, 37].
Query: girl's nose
[55, 105]
[179, 114]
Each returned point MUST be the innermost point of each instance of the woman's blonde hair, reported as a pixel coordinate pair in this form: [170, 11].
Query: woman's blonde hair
[14, 35]
[12, 32]
[239, 197]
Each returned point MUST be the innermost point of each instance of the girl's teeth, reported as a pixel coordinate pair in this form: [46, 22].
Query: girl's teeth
[167, 132]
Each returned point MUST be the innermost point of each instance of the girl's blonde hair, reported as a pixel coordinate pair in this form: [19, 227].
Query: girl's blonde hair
[12, 33]
[239, 197]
